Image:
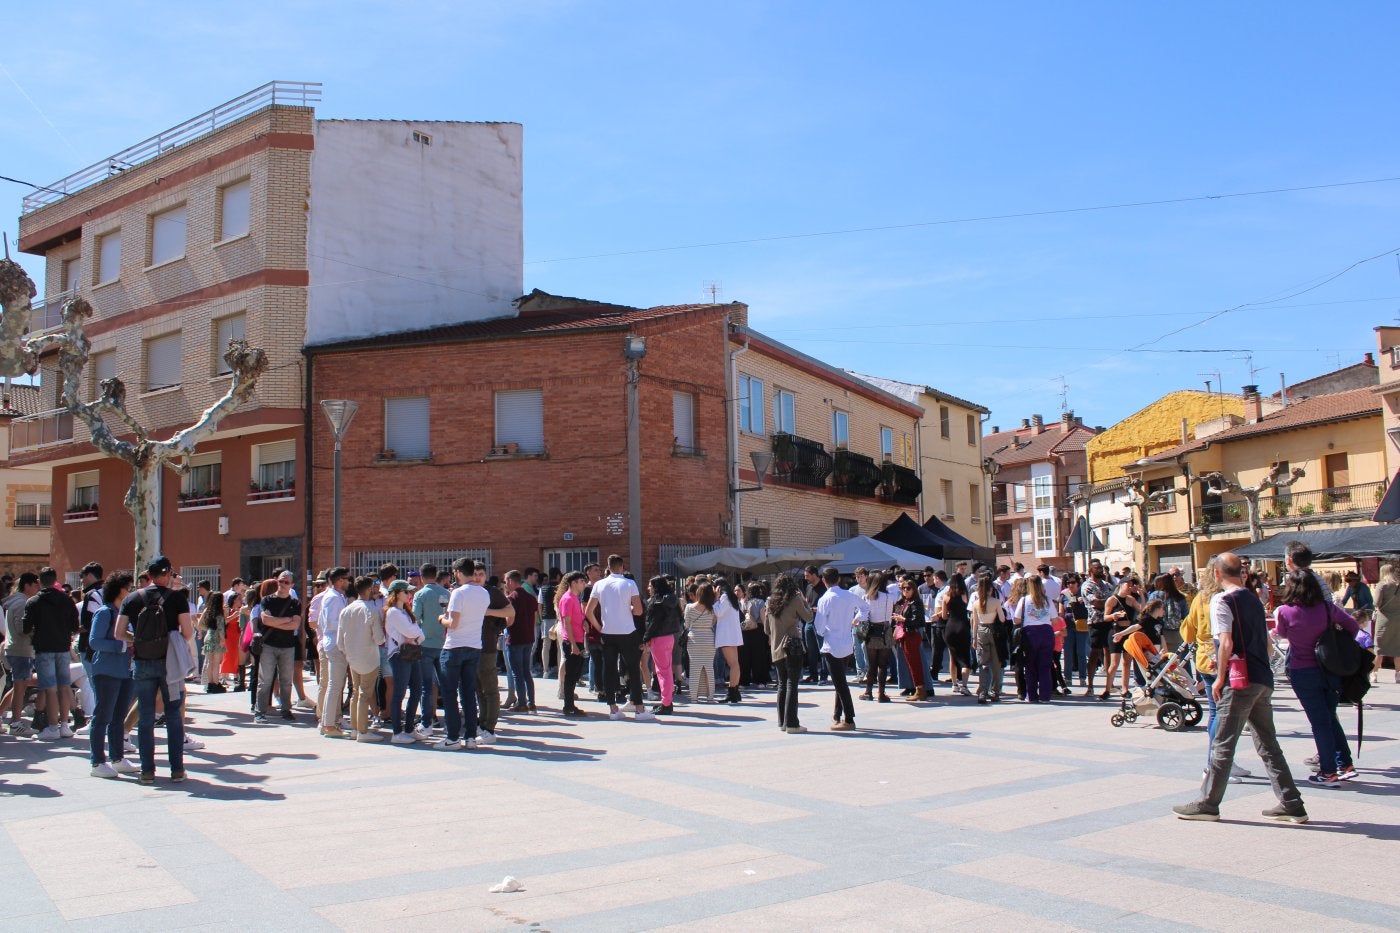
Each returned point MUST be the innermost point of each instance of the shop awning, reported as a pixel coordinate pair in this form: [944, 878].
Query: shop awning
[1331, 543]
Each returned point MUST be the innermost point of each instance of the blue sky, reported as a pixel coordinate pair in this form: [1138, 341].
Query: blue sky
[656, 125]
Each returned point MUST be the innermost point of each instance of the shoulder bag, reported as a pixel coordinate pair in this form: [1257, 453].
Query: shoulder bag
[1337, 652]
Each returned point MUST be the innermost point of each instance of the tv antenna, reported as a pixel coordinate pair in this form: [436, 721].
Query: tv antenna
[1249, 364]
[1219, 381]
[713, 288]
[1064, 394]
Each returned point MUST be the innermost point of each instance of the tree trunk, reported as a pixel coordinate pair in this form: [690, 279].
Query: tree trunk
[143, 502]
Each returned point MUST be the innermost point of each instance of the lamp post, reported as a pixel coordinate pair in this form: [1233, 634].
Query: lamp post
[634, 350]
[762, 460]
[339, 412]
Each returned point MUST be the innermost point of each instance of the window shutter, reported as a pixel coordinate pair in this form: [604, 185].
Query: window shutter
[683, 419]
[163, 362]
[109, 257]
[230, 328]
[237, 207]
[277, 452]
[520, 419]
[406, 428]
[168, 235]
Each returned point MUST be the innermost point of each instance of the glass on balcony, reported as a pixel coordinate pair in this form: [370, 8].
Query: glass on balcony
[855, 474]
[800, 461]
[42, 430]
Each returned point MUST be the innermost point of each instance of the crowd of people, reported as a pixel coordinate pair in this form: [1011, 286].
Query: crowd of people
[418, 658]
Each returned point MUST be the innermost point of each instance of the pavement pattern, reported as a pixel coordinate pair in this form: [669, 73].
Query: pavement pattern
[932, 816]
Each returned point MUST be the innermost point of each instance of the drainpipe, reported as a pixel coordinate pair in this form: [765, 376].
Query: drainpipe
[308, 509]
[919, 465]
[731, 428]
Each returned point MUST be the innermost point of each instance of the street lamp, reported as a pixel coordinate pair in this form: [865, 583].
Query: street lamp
[762, 460]
[339, 412]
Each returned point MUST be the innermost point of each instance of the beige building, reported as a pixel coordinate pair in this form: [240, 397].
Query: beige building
[24, 535]
[844, 451]
[1388, 340]
[948, 450]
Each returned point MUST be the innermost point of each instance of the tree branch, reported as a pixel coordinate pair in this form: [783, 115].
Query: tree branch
[247, 365]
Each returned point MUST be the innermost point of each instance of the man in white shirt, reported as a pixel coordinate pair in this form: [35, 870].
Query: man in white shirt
[1051, 584]
[467, 609]
[1003, 583]
[332, 669]
[838, 611]
[617, 600]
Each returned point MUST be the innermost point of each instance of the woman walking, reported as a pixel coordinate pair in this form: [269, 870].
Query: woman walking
[215, 629]
[1036, 614]
[403, 636]
[664, 622]
[957, 633]
[729, 635]
[700, 621]
[112, 682]
[878, 634]
[783, 617]
[1303, 619]
[989, 630]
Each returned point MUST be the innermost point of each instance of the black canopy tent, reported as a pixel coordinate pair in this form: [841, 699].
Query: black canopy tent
[1331, 544]
[933, 539]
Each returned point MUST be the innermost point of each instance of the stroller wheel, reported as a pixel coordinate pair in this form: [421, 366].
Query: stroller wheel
[1116, 719]
[1171, 716]
[1130, 715]
[1194, 714]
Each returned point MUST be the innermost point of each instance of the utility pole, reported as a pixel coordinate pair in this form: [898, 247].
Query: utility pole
[634, 350]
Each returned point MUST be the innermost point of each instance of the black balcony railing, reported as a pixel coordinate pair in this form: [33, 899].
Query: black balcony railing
[1232, 512]
[854, 474]
[801, 461]
[901, 484]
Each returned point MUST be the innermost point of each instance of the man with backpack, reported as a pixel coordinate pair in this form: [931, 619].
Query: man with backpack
[156, 618]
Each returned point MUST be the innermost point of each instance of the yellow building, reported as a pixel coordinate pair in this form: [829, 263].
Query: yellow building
[1337, 439]
[1166, 423]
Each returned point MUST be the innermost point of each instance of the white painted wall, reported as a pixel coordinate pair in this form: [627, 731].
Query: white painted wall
[403, 236]
[1039, 514]
[1112, 522]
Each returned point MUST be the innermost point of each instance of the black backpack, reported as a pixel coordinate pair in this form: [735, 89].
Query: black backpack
[151, 631]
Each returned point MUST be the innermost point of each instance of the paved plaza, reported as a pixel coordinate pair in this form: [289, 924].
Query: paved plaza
[930, 817]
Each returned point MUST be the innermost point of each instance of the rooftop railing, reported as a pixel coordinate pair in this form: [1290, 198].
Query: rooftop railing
[287, 93]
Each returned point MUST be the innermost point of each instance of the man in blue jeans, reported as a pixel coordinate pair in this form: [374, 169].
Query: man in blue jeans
[51, 621]
[814, 590]
[429, 603]
[467, 609]
[152, 675]
[522, 640]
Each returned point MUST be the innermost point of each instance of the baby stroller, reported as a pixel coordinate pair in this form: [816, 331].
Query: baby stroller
[1170, 693]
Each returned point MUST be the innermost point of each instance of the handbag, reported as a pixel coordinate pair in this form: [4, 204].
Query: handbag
[1337, 652]
[793, 648]
[410, 651]
[1237, 668]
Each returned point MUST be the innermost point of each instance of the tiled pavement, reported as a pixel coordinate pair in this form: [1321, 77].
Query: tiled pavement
[938, 816]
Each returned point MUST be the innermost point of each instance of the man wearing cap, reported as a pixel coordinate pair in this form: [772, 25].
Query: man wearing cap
[281, 621]
[152, 676]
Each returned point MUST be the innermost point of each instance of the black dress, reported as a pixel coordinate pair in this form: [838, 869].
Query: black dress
[958, 633]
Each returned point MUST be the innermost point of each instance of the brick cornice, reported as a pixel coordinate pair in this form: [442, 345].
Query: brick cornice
[41, 240]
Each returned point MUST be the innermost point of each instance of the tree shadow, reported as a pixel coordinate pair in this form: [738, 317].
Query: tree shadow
[1386, 831]
[27, 790]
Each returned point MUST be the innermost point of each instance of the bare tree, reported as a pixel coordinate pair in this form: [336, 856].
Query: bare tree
[20, 355]
[1217, 484]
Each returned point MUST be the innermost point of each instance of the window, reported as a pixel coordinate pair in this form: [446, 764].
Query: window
[32, 510]
[104, 366]
[109, 258]
[1168, 502]
[422, 139]
[82, 491]
[845, 528]
[274, 470]
[1025, 538]
[683, 421]
[784, 412]
[202, 483]
[567, 560]
[520, 420]
[68, 276]
[1043, 492]
[167, 235]
[972, 429]
[751, 404]
[974, 499]
[945, 488]
[406, 428]
[1044, 535]
[235, 209]
[1395, 356]
[757, 537]
[945, 421]
[163, 362]
[1107, 537]
[840, 429]
[887, 444]
[1018, 497]
[225, 330]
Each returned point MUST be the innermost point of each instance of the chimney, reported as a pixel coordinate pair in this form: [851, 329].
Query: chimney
[1185, 432]
[1370, 360]
[1025, 424]
[1066, 422]
[1252, 405]
[1037, 424]
[996, 429]
[1283, 389]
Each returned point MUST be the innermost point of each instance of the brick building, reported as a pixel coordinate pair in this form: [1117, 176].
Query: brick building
[1038, 467]
[253, 220]
[24, 531]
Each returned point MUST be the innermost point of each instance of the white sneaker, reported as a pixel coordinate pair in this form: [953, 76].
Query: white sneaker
[644, 715]
[129, 745]
[448, 745]
[470, 743]
[65, 730]
[369, 737]
[192, 744]
[617, 714]
[50, 734]
[485, 737]
[103, 770]
[403, 738]
[304, 704]
[1232, 779]
[122, 766]
[423, 734]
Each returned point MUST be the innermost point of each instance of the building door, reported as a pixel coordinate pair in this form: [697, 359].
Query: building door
[264, 566]
[1338, 476]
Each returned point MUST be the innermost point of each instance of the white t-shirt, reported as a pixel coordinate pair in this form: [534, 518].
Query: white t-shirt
[1052, 589]
[614, 594]
[399, 627]
[1027, 613]
[1222, 619]
[470, 602]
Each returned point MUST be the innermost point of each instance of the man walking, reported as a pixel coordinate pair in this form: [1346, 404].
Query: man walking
[617, 600]
[1238, 624]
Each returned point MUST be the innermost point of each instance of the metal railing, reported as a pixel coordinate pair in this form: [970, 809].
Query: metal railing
[1291, 505]
[42, 430]
[287, 93]
[46, 314]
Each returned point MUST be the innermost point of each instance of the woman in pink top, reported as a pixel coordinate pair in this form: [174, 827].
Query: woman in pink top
[573, 635]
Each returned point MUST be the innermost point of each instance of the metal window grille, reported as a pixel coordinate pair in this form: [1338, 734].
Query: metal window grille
[197, 573]
[569, 559]
[669, 552]
[369, 562]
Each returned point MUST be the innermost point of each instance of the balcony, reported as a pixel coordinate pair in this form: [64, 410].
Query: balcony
[46, 314]
[854, 474]
[800, 461]
[1004, 547]
[46, 429]
[900, 484]
[1231, 514]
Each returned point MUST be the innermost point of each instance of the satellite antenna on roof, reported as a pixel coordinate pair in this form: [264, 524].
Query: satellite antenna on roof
[713, 288]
